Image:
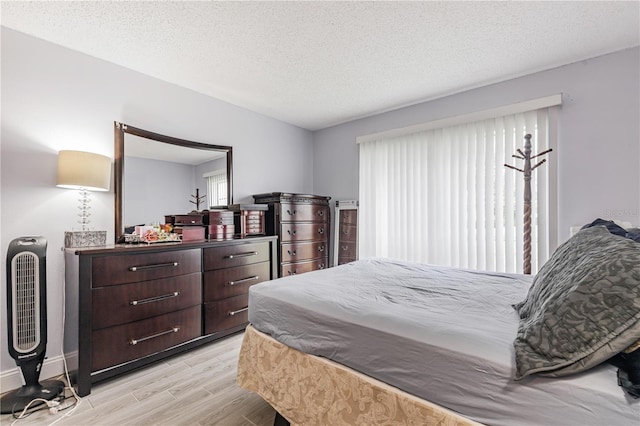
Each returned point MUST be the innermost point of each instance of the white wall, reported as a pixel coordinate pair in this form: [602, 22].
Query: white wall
[54, 98]
[599, 136]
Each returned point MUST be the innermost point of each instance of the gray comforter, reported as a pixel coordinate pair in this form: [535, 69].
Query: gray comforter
[443, 334]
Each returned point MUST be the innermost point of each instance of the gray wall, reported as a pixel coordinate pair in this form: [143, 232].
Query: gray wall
[598, 151]
[54, 98]
[155, 188]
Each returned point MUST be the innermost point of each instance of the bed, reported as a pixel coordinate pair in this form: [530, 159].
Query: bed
[381, 342]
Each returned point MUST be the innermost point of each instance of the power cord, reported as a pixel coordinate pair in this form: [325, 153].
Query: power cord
[54, 405]
[77, 398]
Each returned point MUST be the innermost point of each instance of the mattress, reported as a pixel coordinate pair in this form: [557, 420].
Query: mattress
[308, 390]
[442, 334]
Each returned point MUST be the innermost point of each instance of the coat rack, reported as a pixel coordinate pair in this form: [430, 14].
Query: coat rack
[197, 199]
[526, 156]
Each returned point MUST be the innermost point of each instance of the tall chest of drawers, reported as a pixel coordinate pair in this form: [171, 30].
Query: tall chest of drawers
[302, 224]
[346, 232]
[129, 306]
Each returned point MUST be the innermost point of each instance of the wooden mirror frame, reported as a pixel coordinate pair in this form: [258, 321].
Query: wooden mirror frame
[120, 129]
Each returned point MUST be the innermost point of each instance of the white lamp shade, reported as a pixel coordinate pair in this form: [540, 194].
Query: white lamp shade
[78, 169]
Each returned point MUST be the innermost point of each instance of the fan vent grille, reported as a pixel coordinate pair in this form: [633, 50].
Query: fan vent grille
[26, 301]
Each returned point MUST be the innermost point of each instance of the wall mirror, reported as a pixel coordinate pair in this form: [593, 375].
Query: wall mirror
[157, 175]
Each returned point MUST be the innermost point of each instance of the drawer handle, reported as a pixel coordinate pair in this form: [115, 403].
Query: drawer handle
[321, 231]
[321, 249]
[292, 213]
[239, 311]
[291, 253]
[249, 253]
[321, 213]
[158, 265]
[292, 272]
[345, 248]
[154, 299]
[345, 232]
[321, 266]
[153, 336]
[244, 280]
[291, 232]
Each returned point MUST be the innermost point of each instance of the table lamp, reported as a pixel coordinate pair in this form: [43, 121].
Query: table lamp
[86, 172]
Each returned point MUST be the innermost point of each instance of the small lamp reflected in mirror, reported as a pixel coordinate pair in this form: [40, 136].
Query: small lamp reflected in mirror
[84, 171]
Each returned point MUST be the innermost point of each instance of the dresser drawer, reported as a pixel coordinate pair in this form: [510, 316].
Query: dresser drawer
[122, 343]
[287, 269]
[188, 219]
[229, 282]
[348, 233]
[235, 255]
[254, 228]
[130, 268]
[113, 305]
[218, 217]
[226, 313]
[303, 251]
[294, 231]
[346, 249]
[348, 217]
[294, 212]
[220, 232]
[250, 222]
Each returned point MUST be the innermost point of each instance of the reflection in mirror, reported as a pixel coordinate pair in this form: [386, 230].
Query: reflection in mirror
[165, 179]
[158, 175]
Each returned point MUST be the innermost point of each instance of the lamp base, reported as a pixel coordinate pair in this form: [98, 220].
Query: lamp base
[85, 239]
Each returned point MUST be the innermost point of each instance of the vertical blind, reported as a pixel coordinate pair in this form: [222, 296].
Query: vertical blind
[216, 187]
[443, 196]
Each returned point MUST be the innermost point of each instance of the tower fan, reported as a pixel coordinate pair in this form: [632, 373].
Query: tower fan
[27, 321]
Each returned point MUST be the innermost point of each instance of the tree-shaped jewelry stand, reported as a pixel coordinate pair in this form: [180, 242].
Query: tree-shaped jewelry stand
[526, 156]
[198, 199]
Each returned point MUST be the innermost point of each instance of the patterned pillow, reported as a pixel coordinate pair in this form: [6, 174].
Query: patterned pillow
[583, 306]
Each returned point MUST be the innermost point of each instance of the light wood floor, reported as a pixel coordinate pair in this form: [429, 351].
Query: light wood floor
[195, 388]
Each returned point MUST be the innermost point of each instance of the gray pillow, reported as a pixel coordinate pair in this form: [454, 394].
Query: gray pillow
[583, 306]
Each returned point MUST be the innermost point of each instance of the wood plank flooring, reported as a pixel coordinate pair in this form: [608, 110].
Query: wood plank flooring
[195, 388]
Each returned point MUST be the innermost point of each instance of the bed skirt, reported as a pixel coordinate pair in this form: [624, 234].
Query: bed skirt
[309, 390]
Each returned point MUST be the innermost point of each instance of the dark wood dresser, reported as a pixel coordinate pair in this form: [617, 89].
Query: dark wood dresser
[229, 271]
[130, 305]
[302, 224]
[346, 236]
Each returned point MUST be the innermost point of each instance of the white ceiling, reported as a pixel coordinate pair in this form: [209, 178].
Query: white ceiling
[139, 147]
[318, 64]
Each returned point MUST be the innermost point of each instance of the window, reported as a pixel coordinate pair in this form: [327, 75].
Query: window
[216, 187]
[443, 195]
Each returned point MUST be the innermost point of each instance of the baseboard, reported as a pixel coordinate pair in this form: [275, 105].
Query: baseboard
[12, 379]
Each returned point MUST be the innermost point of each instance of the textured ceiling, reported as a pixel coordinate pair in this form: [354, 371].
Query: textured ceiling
[317, 64]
